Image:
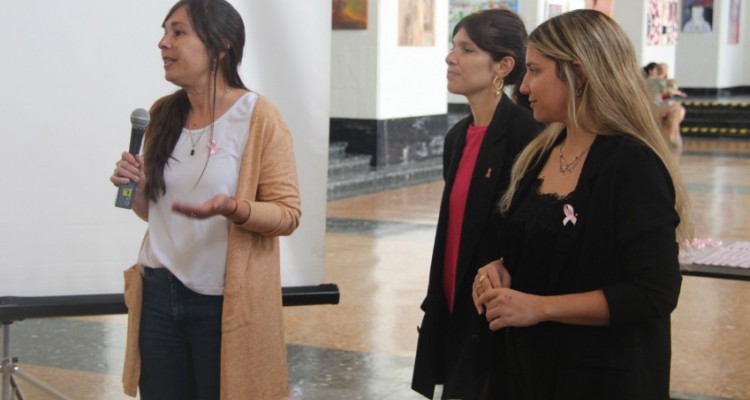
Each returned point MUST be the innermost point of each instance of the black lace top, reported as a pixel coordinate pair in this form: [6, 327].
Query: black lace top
[532, 229]
[531, 232]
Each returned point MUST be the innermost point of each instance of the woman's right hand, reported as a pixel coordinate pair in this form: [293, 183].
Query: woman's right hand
[129, 168]
[492, 275]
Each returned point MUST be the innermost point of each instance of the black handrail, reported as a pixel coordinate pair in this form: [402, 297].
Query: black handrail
[16, 308]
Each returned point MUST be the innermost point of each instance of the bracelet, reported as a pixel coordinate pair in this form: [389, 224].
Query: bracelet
[236, 206]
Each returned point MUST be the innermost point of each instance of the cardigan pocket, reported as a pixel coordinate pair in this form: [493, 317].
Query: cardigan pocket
[133, 287]
[237, 311]
[133, 300]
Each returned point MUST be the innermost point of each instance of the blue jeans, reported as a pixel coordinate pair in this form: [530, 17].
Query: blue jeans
[180, 340]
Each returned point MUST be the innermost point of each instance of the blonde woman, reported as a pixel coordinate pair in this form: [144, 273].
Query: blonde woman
[594, 214]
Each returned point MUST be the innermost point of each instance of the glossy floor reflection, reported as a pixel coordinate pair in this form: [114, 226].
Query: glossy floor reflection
[378, 249]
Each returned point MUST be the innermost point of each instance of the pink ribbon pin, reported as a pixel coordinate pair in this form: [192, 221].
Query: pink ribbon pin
[213, 148]
[570, 215]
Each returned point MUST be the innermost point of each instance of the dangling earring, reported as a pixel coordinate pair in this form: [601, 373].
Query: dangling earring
[579, 92]
[498, 84]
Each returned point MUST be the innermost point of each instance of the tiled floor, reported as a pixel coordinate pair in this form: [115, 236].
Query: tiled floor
[377, 250]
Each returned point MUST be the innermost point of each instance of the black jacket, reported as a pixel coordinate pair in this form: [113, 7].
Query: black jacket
[450, 345]
[623, 243]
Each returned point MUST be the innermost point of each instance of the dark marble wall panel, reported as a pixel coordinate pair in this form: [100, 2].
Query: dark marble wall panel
[392, 141]
[360, 135]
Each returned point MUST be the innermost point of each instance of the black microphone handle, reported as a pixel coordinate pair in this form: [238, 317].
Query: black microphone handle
[136, 137]
[126, 193]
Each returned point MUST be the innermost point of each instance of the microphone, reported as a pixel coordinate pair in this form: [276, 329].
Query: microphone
[138, 119]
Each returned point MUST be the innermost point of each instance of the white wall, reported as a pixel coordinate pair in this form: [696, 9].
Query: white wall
[354, 69]
[288, 59]
[707, 60]
[72, 73]
[375, 78]
[744, 38]
[697, 57]
[731, 68]
[411, 79]
[531, 12]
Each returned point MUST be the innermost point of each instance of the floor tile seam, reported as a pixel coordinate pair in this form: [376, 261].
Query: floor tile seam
[367, 227]
[714, 154]
[350, 351]
[704, 187]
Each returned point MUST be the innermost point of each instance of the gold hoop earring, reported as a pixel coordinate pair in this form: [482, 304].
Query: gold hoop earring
[497, 84]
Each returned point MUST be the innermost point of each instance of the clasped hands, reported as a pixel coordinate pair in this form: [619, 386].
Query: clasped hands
[501, 305]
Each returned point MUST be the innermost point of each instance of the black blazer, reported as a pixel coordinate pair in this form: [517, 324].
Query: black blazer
[623, 243]
[449, 345]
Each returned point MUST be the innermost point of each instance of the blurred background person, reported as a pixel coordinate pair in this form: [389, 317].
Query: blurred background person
[670, 112]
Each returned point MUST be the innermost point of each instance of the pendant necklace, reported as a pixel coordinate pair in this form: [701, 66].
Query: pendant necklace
[193, 140]
[568, 167]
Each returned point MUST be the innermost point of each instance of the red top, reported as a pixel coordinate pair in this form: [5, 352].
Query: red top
[456, 207]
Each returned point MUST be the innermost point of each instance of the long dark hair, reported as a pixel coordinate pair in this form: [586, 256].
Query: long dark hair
[220, 28]
[501, 33]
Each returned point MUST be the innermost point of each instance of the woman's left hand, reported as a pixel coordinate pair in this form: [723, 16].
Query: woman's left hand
[221, 204]
[508, 307]
[492, 275]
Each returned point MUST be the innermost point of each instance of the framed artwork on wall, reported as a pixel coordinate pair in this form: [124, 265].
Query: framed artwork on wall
[349, 14]
[557, 7]
[697, 16]
[734, 22]
[416, 23]
[458, 9]
[603, 6]
[553, 10]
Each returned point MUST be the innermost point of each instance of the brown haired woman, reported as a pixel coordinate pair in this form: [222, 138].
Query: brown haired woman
[217, 185]
[488, 52]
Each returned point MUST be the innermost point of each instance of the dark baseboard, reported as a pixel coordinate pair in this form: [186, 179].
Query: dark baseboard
[717, 92]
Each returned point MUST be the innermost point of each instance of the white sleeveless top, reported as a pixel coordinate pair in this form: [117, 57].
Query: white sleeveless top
[195, 251]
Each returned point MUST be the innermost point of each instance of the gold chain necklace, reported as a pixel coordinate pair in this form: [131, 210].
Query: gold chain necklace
[568, 167]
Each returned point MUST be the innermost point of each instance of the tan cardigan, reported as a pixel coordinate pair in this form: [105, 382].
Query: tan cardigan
[253, 352]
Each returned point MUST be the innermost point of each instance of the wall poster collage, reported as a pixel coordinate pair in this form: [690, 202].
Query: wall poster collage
[661, 23]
